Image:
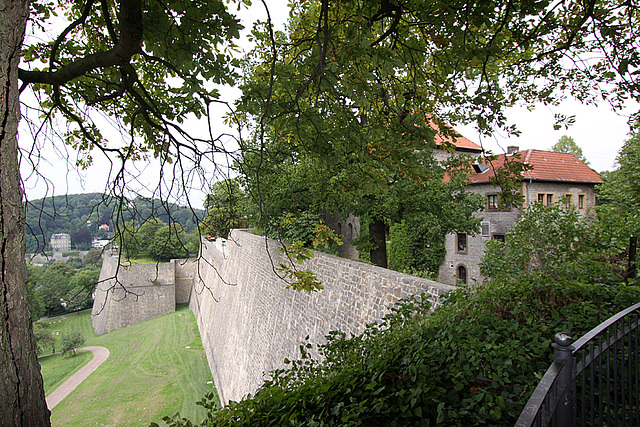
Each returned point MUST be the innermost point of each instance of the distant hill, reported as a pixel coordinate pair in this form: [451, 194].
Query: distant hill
[81, 216]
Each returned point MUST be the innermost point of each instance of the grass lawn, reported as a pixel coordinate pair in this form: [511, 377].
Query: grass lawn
[156, 368]
[56, 368]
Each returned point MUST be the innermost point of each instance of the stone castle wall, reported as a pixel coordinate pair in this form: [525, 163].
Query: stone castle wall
[184, 269]
[130, 294]
[249, 322]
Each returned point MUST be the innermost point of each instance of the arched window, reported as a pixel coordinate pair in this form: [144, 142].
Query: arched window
[462, 274]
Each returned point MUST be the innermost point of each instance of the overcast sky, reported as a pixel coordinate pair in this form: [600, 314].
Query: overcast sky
[598, 131]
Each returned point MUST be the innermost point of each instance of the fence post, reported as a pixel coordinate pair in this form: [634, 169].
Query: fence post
[562, 354]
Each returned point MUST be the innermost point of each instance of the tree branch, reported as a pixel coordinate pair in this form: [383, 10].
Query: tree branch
[130, 26]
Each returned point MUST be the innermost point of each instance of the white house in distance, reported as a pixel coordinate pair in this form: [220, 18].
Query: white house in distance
[60, 242]
[554, 177]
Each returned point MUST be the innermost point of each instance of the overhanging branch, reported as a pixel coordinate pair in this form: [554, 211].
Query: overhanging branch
[129, 43]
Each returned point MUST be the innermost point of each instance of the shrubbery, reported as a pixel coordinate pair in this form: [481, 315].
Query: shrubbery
[71, 342]
[474, 361]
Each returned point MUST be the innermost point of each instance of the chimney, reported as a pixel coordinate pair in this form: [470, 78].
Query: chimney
[512, 149]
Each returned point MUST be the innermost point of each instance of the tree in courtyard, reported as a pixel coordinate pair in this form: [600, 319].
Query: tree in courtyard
[619, 198]
[346, 72]
[54, 285]
[225, 208]
[82, 285]
[71, 341]
[552, 243]
[168, 243]
[566, 144]
[92, 257]
[355, 86]
[622, 186]
[36, 305]
[44, 337]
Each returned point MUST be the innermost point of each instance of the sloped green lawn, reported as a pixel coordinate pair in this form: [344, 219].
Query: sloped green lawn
[56, 368]
[156, 368]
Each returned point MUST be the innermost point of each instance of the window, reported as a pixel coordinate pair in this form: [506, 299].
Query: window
[485, 228]
[461, 274]
[492, 202]
[545, 198]
[461, 243]
[567, 201]
[580, 201]
[499, 237]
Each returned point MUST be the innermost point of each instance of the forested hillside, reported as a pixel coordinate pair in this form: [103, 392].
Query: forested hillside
[81, 215]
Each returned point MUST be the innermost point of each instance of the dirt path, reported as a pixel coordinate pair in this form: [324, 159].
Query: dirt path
[100, 354]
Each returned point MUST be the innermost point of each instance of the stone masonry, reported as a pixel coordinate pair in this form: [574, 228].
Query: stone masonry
[130, 294]
[249, 322]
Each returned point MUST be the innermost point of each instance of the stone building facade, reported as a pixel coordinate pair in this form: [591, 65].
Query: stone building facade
[554, 178]
[60, 242]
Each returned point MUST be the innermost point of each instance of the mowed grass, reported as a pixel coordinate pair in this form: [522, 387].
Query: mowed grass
[56, 368]
[156, 368]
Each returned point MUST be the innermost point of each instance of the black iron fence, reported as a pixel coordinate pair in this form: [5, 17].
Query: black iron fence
[592, 382]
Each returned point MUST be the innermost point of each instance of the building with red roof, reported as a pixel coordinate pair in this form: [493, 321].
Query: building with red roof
[550, 178]
[448, 143]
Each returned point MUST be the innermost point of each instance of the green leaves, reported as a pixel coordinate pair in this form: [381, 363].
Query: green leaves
[149, 66]
[550, 243]
[474, 361]
[71, 341]
[304, 280]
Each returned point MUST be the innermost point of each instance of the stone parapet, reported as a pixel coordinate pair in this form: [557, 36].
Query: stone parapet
[130, 294]
[249, 322]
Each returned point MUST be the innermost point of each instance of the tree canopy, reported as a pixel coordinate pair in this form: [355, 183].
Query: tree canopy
[567, 144]
[348, 86]
[357, 90]
[225, 208]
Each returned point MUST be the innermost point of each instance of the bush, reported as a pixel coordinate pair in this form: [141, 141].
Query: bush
[474, 361]
[553, 243]
[44, 338]
[71, 341]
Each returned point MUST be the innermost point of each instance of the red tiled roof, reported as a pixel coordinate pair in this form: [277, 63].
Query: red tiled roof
[547, 166]
[447, 135]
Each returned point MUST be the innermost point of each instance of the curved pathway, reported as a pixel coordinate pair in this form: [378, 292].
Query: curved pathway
[100, 354]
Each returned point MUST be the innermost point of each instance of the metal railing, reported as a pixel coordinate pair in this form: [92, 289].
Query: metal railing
[594, 382]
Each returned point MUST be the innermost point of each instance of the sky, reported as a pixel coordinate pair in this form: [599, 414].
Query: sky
[598, 130]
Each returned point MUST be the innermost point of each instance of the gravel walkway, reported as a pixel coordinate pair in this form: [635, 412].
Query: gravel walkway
[100, 354]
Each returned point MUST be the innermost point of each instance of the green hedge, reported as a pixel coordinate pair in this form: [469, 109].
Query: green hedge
[474, 361]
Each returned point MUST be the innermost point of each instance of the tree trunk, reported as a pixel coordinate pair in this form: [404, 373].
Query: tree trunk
[377, 232]
[22, 401]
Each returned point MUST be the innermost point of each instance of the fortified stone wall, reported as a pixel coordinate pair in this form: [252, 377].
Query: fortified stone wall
[184, 269]
[130, 294]
[249, 322]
